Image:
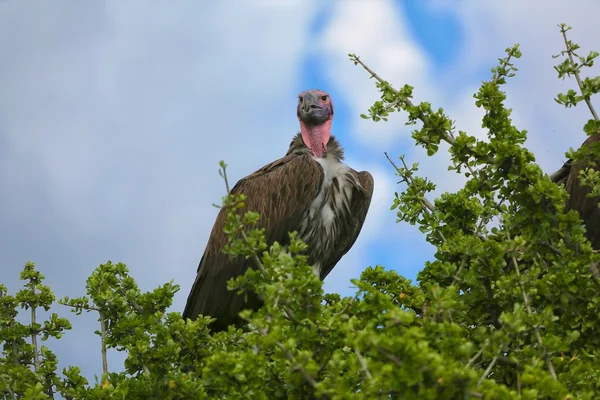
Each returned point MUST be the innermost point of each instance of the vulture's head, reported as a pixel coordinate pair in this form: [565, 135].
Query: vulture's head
[314, 107]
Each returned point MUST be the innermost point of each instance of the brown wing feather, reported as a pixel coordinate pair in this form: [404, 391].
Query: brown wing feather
[361, 199]
[579, 200]
[279, 192]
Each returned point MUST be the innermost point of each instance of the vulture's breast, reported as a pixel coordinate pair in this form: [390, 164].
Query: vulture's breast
[328, 216]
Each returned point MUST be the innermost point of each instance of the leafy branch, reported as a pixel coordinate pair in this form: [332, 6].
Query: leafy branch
[568, 67]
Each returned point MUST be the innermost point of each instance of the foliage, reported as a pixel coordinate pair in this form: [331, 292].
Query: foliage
[508, 311]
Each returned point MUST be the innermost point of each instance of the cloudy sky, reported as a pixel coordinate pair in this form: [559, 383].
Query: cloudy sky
[114, 116]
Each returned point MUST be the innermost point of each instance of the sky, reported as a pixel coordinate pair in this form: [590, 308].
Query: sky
[114, 116]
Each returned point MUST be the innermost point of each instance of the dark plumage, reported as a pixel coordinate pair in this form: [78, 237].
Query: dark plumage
[310, 191]
[578, 194]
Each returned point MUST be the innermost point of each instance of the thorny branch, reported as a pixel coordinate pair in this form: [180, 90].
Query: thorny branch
[34, 333]
[569, 51]
[429, 207]
[487, 370]
[363, 363]
[448, 137]
[223, 173]
[408, 103]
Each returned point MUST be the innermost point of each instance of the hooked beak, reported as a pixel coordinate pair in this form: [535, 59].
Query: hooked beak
[310, 111]
[309, 103]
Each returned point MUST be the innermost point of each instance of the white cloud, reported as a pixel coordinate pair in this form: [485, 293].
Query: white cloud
[376, 31]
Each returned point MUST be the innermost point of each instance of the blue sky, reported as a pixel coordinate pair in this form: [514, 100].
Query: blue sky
[437, 31]
[114, 116]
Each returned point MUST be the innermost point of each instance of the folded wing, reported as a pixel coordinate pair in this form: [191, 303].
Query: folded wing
[280, 192]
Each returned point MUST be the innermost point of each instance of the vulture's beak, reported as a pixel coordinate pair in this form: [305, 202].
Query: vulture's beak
[310, 111]
[310, 102]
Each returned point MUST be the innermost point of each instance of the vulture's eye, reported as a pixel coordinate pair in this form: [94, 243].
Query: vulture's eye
[300, 98]
[323, 98]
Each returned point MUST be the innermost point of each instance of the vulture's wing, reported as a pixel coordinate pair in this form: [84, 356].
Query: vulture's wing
[579, 200]
[561, 176]
[361, 199]
[279, 192]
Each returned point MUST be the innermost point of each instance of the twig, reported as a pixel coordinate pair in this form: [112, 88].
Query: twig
[374, 75]
[460, 269]
[308, 377]
[426, 203]
[297, 365]
[536, 328]
[390, 356]
[476, 356]
[595, 272]
[132, 303]
[363, 363]
[86, 308]
[8, 389]
[409, 103]
[429, 208]
[487, 370]
[223, 173]
[36, 358]
[49, 384]
[15, 348]
[103, 341]
[504, 62]
[446, 136]
[576, 73]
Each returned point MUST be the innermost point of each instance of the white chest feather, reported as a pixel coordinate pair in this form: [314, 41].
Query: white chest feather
[335, 194]
[332, 169]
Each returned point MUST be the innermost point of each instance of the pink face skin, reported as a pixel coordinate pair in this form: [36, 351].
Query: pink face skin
[315, 112]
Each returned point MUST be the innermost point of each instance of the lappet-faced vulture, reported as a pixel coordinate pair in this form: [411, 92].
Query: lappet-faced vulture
[578, 200]
[309, 190]
[587, 207]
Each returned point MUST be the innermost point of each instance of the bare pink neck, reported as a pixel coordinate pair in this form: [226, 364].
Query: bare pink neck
[316, 137]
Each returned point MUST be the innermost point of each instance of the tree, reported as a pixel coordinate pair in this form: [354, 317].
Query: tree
[502, 312]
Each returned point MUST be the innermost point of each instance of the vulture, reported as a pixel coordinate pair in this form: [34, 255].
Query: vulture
[587, 207]
[310, 190]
